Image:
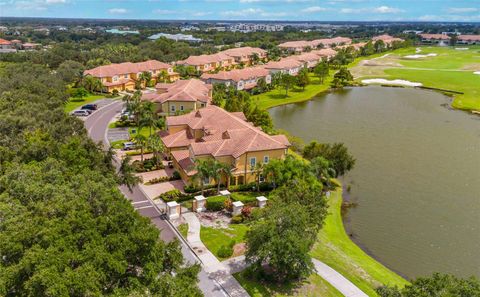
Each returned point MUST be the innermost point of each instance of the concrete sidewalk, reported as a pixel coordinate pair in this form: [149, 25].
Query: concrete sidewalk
[215, 269]
[337, 280]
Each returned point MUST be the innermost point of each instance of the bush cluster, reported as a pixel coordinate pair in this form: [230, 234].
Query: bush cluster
[147, 165]
[216, 203]
[226, 251]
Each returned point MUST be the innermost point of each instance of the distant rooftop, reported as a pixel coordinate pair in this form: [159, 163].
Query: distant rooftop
[123, 32]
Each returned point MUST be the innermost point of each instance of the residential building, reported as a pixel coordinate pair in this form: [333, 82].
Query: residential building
[284, 66]
[122, 77]
[240, 79]
[330, 42]
[439, 39]
[468, 39]
[31, 46]
[326, 53]
[309, 60]
[296, 47]
[6, 46]
[212, 132]
[245, 55]
[176, 37]
[356, 46]
[245, 28]
[207, 63]
[387, 39]
[180, 97]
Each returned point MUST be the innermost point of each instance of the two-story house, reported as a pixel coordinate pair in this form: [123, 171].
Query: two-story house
[387, 39]
[468, 39]
[296, 47]
[180, 97]
[208, 63]
[240, 79]
[440, 39]
[122, 76]
[284, 66]
[325, 53]
[246, 55]
[309, 60]
[212, 132]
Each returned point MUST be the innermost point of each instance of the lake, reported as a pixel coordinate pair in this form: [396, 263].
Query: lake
[416, 182]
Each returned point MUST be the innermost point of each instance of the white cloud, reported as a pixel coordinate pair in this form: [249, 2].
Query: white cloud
[164, 11]
[387, 9]
[462, 9]
[117, 11]
[313, 9]
[242, 12]
[287, 1]
[55, 1]
[380, 9]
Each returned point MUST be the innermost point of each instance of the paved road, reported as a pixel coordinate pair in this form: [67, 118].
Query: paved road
[97, 125]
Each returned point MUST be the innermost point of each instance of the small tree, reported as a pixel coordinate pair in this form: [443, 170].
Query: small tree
[281, 242]
[126, 174]
[322, 70]
[342, 78]
[163, 76]
[156, 145]
[337, 154]
[286, 82]
[303, 79]
[79, 93]
[140, 141]
[204, 170]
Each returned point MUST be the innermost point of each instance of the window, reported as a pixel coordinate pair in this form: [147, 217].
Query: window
[125, 76]
[181, 107]
[115, 78]
[172, 108]
[253, 162]
[202, 104]
[266, 159]
[261, 178]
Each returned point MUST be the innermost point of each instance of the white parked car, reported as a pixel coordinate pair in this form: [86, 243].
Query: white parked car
[80, 113]
[129, 146]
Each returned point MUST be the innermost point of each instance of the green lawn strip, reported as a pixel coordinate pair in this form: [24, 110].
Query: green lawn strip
[143, 131]
[74, 103]
[277, 96]
[183, 228]
[214, 238]
[465, 82]
[117, 144]
[337, 250]
[314, 285]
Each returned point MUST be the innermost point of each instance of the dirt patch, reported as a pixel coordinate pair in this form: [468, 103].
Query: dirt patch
[473, 67]
[239, 249]
[217, 219]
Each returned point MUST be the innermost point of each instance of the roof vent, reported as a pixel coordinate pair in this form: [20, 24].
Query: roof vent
[225, 135]
[198, 114]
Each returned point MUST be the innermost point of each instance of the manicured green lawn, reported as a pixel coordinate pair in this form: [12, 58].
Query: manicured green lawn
[214, 238]
[277, 96]
[312, 286]
[451, 69]
[183, 228]
[337, 250]
[74, 103]
[247, 197]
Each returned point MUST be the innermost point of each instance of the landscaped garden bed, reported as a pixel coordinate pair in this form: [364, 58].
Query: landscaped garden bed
[147, 165]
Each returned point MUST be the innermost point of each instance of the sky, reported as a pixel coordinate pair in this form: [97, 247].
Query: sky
[289, 10]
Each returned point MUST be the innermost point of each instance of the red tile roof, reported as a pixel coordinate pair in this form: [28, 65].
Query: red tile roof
[325, 52]
[4, 42]
[386, 38]
[435, 36]
[237, 74]
[244, 51]
[331, 41]
[469, 37]
[295, 44]
[225, 134]
[286, 63]
[181, 90]
[205, 59]
[126, 68]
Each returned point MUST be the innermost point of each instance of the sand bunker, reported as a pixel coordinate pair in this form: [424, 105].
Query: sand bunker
[477, 72]
[419, 56]
[461, 48]
[418, 50]
[395, 82]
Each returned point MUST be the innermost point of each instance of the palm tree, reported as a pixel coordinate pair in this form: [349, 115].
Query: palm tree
[220, 170]
[323, 170]
[255, 59]
[126, 174]
[148, 115]
[257, 171]
[145, 77]
[141, 141]
[135, 107]
[204, 171]
[162, 76]
[156, 145]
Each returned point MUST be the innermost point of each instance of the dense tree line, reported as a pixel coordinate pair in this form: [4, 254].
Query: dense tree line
[65, 228]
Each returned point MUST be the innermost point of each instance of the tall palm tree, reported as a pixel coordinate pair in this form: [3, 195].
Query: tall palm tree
[148, 116]
[204, 171]
[157, 147]
[257, 171]
[162, 76]
[141, 141]
[136, 107]
[222, 170]
[126, 174]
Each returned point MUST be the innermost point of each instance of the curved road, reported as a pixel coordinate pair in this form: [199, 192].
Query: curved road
[97, 126]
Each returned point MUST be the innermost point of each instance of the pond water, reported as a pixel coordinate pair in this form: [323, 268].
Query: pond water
[417, 177]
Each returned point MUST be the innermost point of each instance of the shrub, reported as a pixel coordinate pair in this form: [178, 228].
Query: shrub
[248, 198]
[238, 219]
[115, 93]
[228, 204]
[225, 251]
[215, 203]
[147, 165]
[246, 211]
[175, 175]
[172, 195]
